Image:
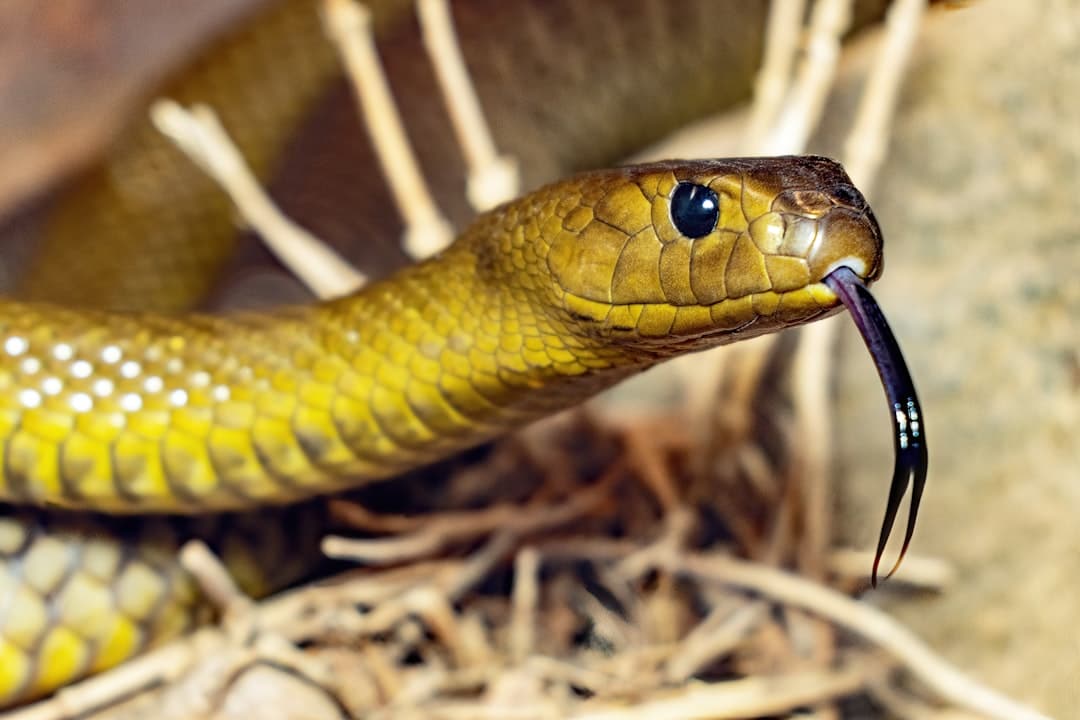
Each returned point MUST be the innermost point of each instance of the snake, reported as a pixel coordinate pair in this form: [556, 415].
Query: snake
[537, 305]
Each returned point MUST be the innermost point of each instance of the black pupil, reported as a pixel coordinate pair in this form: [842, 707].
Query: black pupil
[694, 209]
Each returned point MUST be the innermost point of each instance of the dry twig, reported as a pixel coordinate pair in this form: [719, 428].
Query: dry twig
[492, 178]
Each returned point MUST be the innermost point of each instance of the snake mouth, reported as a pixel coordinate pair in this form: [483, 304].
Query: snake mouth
[909, 432]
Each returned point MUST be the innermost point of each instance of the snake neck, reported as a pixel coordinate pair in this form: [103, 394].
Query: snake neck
[449, 357]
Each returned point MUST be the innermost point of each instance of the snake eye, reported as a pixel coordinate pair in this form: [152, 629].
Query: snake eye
[694, 209]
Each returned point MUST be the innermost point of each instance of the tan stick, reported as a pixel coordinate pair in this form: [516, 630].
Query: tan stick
[802, 111]
[749, 697]
[774, 77]
[715, 636]
[493, 178]
[427, 231]
[873, 625]
[924, 573]
[213, 578]
[865, 146]
[442, 530]
[811, 454]
[525, 600]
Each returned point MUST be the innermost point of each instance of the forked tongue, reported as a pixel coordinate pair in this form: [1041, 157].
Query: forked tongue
[909, 433]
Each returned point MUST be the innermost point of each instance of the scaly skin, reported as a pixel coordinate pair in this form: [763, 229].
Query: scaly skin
[538, 305]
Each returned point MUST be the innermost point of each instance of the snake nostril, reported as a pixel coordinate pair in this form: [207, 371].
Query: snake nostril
[848, 195]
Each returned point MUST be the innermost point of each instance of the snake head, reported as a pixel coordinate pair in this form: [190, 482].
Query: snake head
[680, 255]
[644, 262]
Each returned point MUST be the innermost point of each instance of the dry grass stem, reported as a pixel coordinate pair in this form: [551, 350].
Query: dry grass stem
[868, 139]
[750, 697]
[219, 588]
[213, 577]
[943, 679]
[492, 178]
[801, 112]
[644, 454]
[525, 602]
[348, 24]
[439, 530]
[717, 635]
[924, 573]
[774, 76]
[809, 466]
[901, 704]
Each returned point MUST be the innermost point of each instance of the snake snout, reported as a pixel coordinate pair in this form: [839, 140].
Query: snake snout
[849, 236]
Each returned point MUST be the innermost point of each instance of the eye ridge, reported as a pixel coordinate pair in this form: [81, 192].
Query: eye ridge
[695, 209]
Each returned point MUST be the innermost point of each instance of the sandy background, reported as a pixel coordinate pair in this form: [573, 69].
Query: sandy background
[980, 203]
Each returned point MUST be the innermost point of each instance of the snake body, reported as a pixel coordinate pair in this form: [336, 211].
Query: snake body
[538, 305]
[566, 291]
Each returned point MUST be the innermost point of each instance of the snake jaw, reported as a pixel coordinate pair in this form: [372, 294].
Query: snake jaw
[909, 431]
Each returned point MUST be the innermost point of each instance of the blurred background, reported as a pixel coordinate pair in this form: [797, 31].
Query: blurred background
[978, 199]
